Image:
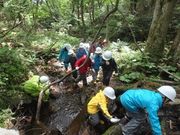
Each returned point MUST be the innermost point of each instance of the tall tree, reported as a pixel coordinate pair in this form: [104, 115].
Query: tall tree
[162, 16]
[175, 49]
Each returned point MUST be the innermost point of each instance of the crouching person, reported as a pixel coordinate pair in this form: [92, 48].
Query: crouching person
[99, 103]
[35, 84]
[138, 102]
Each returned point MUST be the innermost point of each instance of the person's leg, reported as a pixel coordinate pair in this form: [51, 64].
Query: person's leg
[74, 74]
[83, 76]
[94, 119]
[136, 119]
[79, 78]
[66, 65]
[94, 75]
[106, 77]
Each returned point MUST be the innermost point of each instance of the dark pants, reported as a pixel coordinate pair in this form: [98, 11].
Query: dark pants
[106, 77]
[136, 119]
[74, 74]
[83, 78]
[94, 120]
[94, 74]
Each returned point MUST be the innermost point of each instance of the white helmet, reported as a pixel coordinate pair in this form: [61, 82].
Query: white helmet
[98, 50]
[67, 46]
[168, 91]
[44, 79]
[86, 46]
[81, 45]
[70, 52]
[107, 55]
[109, 92]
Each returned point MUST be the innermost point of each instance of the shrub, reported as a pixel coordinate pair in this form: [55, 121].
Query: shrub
[13, 70]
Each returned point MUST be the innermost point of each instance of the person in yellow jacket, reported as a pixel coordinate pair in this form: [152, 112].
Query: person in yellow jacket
[35, 84]
[99, 103]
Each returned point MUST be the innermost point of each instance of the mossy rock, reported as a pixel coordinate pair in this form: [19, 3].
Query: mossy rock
[114, 130]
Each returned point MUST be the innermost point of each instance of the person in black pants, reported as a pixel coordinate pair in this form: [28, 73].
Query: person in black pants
[108, 67]
[72, 60]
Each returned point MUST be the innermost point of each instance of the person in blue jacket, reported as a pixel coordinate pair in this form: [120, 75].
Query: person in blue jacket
[141, 102]
[81, 51]
[97, 61]
[63, 55]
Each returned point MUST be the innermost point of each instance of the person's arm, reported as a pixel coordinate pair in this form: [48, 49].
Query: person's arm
[154, 120]
[103, 106]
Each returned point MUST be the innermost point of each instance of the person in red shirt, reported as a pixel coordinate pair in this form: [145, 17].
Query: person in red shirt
[84, 69]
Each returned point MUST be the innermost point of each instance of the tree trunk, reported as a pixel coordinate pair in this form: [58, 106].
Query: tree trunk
[78, 13]
[1, 3]
[73, 6]
[82, 20]
[162, 16]
[90, 11]
[107, 24]
[82, 13]
[175, 49]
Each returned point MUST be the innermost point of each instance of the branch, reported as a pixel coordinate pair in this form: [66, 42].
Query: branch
[105, 18]
[169, 73]
[134, 39]
[11, 29]
[164, 81]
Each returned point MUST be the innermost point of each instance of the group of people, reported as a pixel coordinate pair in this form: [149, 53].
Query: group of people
[138, 103]
[85, 60]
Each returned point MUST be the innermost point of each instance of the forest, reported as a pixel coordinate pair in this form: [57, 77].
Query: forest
[142, 36]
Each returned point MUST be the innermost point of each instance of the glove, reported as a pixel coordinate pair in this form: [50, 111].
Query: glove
[114, 120]
[77, 68]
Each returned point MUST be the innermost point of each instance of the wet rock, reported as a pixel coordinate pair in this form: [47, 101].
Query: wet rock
[65, 108]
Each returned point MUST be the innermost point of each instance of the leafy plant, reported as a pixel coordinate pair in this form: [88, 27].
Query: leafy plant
[4, 115]
[133, 65]
[134, 76]
[13, 70]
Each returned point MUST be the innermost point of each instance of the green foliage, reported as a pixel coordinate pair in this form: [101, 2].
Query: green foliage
[4, 115]
[173, 70]
[133, 65]
[169, 68]
[134, 76]
[13, 70]
[14, 9]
